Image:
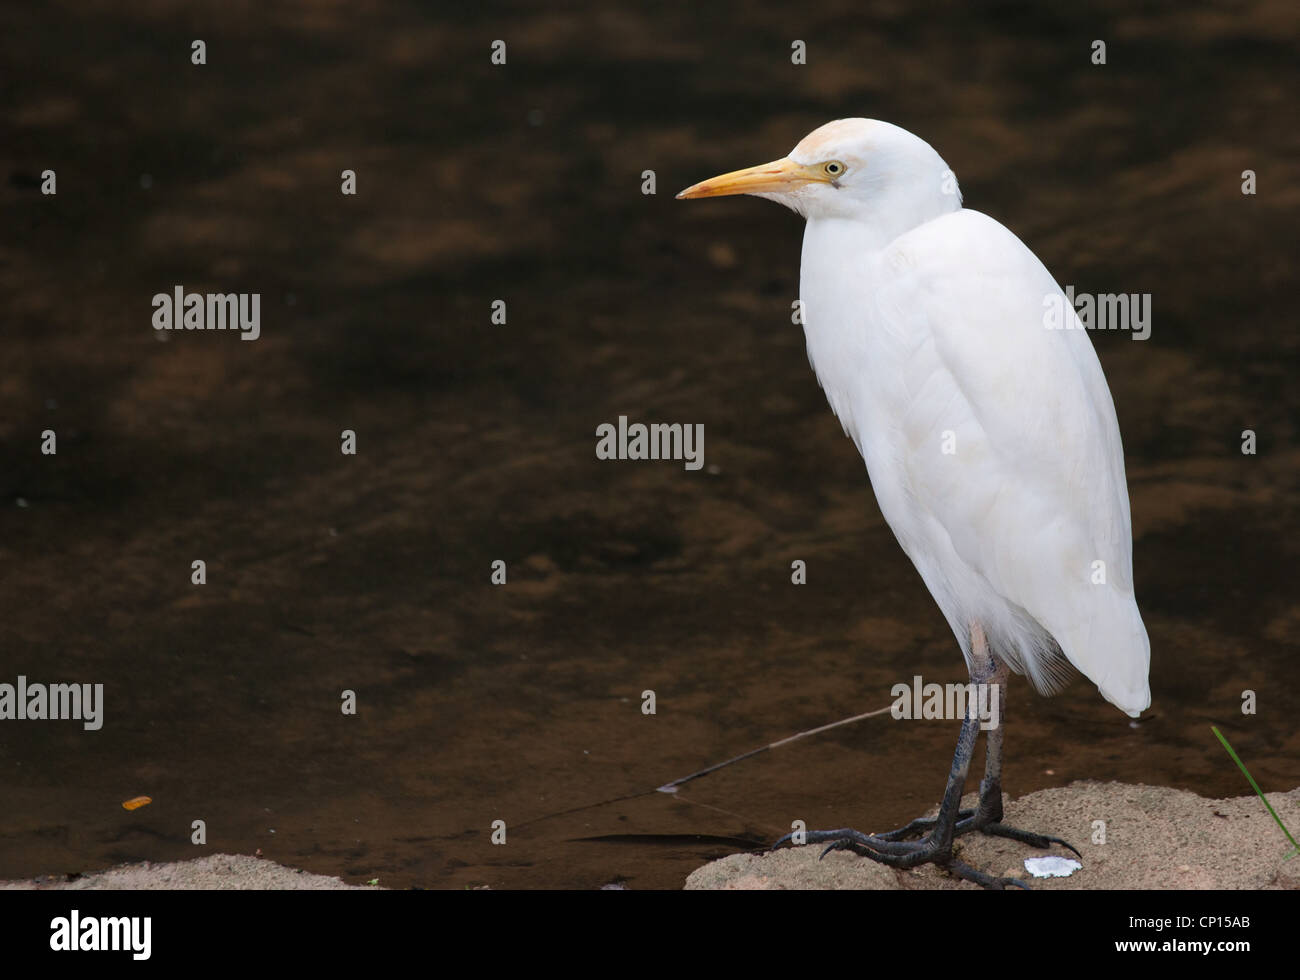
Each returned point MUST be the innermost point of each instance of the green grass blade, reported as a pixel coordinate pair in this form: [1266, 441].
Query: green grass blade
[1254, 785]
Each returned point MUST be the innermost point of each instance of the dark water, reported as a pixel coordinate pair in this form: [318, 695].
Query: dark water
[371, 573]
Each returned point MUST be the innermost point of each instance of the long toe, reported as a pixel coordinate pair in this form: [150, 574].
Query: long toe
[896, 854]
[868, 845]
[983, 879]
[923, 825]
[1026, 837]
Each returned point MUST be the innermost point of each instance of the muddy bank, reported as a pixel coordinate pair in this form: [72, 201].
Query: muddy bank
[1155, 838]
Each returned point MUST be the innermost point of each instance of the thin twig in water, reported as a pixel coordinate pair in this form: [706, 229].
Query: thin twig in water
[672, 787]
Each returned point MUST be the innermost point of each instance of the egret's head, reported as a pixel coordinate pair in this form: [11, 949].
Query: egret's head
[859, 169]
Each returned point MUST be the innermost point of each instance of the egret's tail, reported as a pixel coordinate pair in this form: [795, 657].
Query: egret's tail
[1112, 650]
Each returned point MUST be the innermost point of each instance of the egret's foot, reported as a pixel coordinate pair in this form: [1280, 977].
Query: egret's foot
[967, 821]
[896, 854]
[901, 854]
[890, 850]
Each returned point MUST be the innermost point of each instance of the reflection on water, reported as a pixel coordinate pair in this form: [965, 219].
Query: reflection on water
[370, 573]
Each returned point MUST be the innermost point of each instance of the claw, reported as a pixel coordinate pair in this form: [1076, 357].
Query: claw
[1063, 843]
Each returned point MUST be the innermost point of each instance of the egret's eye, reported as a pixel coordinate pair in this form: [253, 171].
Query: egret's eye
[833, 168]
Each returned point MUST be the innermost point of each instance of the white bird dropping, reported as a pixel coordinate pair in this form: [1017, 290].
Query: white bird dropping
[1052, 867]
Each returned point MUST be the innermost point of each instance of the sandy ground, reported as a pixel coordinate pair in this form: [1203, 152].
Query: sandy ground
[1155, 838]
[217, 871]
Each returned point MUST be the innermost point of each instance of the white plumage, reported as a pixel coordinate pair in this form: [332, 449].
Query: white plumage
[990, 437]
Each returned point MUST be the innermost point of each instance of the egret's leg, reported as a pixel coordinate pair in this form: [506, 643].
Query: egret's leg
[990, 805]
[985, 664]
[936, 847]
[987, 817]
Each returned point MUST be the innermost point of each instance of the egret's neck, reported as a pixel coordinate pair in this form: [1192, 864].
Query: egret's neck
[839, 259]
[838, 255]
[840, 252]
[842, 263]
[838, 235]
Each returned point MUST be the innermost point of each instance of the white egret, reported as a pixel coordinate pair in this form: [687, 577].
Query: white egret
[988, 432]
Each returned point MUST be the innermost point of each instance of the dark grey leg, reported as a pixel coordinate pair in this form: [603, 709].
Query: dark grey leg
[990, 805]
[988, 815]
[895, 850]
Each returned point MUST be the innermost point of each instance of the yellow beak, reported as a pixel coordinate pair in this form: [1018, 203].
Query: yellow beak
[777, 176]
